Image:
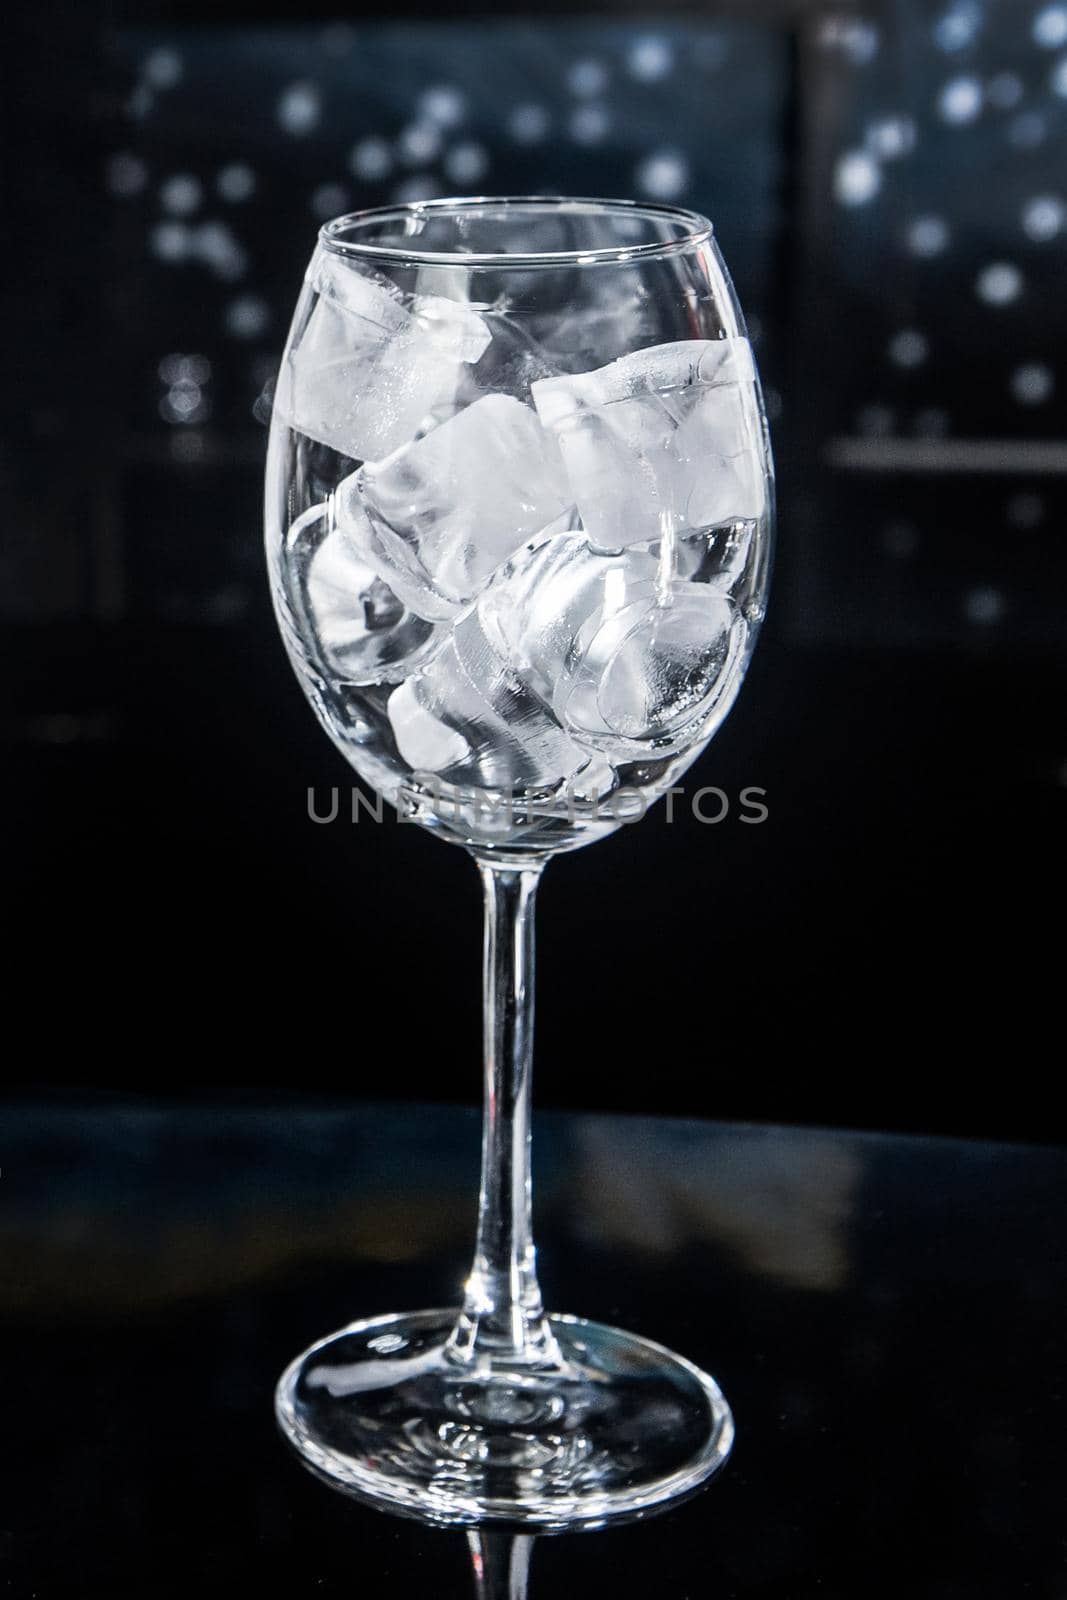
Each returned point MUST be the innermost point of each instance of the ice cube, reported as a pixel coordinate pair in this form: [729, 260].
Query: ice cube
[368, 367]
[363, 632]
[538, 604]
[630, 657]
[516, 358]
[656, 673]
[448, 509]
[665, 436]
[470, 718]
[719, 556]
[599, 309]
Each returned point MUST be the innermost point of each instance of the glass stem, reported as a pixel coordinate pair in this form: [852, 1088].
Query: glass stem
[501, 1564]
[503, 1317]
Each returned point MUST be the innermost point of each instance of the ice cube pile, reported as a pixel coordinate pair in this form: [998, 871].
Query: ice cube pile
[547, 578]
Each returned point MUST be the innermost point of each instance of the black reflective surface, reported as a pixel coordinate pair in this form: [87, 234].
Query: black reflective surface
[884, 1315]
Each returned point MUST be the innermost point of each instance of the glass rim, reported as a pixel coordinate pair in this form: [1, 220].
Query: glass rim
[695, 230]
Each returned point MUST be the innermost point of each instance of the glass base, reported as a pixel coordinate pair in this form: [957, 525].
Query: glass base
[616, 1426]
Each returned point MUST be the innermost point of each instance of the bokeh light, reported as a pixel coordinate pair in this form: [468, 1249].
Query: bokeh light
[927, 236]
[589, 124]
[299, 109]
[181, 194]
[960, 101]
[529, 124]
[1032, 384]
[649, 59]
[1044, 217]
[163, 68]
[127, 174]
[466, 163]
[587, 78]
[444, 104]
[419, 143]
[236, 182]
[663, 175]
[371, 159]
[857, 178]
[983, 606]
[909, 348]
[999, 284]
[248, 317]
[1050, 27]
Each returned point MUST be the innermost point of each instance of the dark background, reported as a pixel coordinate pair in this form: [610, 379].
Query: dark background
[889, 187]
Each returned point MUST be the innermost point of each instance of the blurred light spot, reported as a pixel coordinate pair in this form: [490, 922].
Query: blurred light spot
[299, 108]
[418, 143]
[875, 422]
[140, 102]
[528, 124]
[1058, 80]
[163, 68]
[184, 399]
[420, 186]
[663, 175]
[1032, 384]
[587, 78]
[443, 104]
[215, 245]
[772, 401]
[236, 182]
[329, 200]
[999, 284]
[1050, 27]
[900, 540]
[183, 403]
[931, 423]
[857, 178]
[371, 160]
[177, 368]
[181, 194]
[1025, 510]
[927, 236]
[891, 137]
[908, 348]
[247, 317]
[466, 163]
[1027, 131]
[856, 39]
[126, 174]
[649, 59]
[983, 606]
[958, 27]
[588, 124]
[170, 241]
[1044, 217]
[1005, 90]
[754, 323]
[960, 101]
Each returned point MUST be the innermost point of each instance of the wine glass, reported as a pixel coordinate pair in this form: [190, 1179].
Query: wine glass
[519, 508]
